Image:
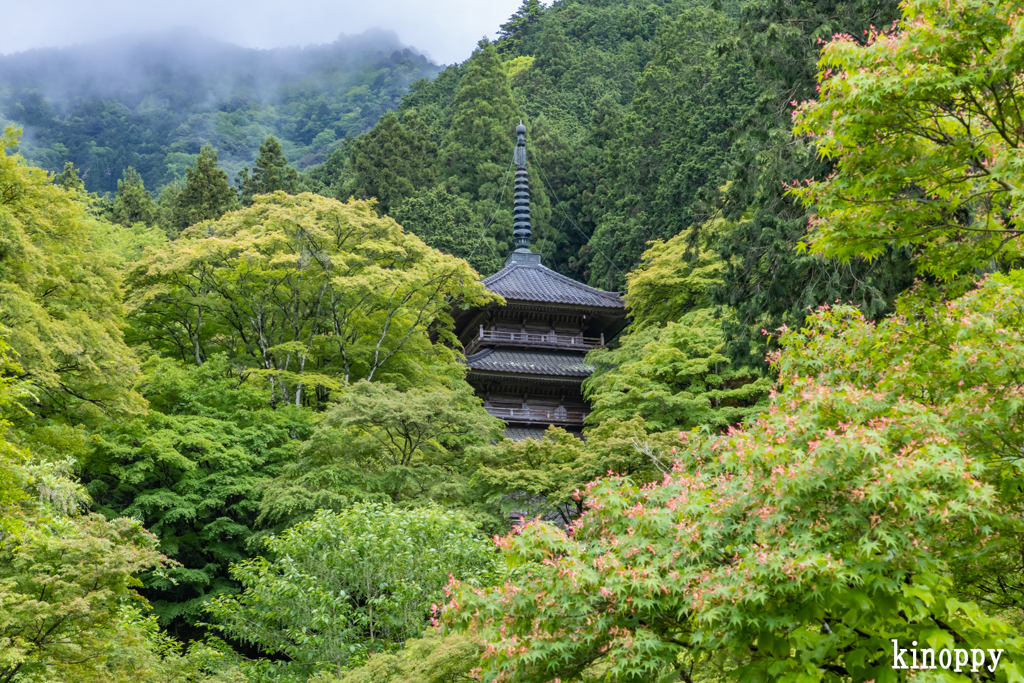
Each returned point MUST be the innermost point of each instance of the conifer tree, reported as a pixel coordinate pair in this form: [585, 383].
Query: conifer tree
[68, 178]
[270, 173]
[206, 195]
[133, 203]
[393, 161]
[478, 148]
[513, 30]
[673, 151]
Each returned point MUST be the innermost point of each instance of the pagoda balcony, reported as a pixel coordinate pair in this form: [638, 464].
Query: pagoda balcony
[534, 340]
[561, 418]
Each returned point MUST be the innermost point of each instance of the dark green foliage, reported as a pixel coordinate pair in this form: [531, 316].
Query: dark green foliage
[206, 195]
[445, 222]
[377, 443]
[270, 173]
[766, 279]
[133, 204]
[673, 150]
[193, 470]
[393, 161]
[515, 29]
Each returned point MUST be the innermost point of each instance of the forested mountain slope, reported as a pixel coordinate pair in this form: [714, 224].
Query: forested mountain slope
[151, 101]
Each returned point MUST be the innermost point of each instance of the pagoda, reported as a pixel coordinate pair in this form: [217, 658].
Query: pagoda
[527, 358]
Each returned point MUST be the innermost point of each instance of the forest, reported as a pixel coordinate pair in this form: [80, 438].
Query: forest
[237, 442]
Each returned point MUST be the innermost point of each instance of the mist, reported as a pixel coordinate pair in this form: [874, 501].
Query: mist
[445, 31]
[151, 100]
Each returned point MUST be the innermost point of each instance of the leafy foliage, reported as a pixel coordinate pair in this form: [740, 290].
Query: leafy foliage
[342, 585]
[206, 194]
[270, 173]
[923, 124]
[60, 297]
[193, 470]
[62, 583]
[432, 658]
[380, 444]
[305, 291]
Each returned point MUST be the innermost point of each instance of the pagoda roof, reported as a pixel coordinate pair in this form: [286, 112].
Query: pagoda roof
[529, 363]
[535, 282]
[516, 433]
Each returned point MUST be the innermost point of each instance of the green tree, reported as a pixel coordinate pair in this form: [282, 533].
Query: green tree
[68, 178]
[476, 154]
[393, 161]
[518, 24]
[346, 584]
[767, 280]
[445, 222]
[924, 128]
[549, 477]
[673, 150]
[193, 470]
[62, 585]
[378, 443]
[270, 173]
[434, 657]
[859, 508]
[674, 376]
[133, 204]
[165, 208]
[306, 292]
[206, 195]
[670, 368]
[60, 298]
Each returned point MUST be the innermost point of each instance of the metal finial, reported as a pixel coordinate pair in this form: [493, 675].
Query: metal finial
[521, 232]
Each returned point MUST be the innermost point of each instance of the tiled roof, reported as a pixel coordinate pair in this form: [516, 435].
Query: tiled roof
[524, 433]
[538, 283]
[529, 362]
[537, 433]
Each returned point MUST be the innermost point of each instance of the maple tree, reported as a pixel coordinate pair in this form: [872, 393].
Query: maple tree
[924, 124]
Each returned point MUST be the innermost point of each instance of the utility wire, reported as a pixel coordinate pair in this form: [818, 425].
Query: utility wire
[559, 204]
[498, 198]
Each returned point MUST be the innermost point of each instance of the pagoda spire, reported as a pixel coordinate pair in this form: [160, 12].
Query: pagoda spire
[521, 232]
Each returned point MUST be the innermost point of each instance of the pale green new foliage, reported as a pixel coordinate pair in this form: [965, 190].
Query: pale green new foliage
[925, 125]
[671, 368]
[344, 584]
[435, 657]
[308, 292]
[61, 297]
[676, 376]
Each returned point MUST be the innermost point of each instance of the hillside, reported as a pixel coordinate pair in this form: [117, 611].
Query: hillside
[151, 101]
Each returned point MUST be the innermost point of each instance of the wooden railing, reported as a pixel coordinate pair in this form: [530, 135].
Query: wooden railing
[535, 416]
[547, 340]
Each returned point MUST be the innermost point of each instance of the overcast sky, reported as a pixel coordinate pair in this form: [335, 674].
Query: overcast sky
[446, 30]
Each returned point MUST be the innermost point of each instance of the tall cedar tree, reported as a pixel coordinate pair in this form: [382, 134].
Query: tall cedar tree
[674, 146]
[476, 154]
[206, 195]
[270, 173]
[393, 161]
[133, 203]
[767, 280]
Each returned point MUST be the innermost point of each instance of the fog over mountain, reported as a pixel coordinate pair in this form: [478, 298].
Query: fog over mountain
[445, 30]
[152, 100]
